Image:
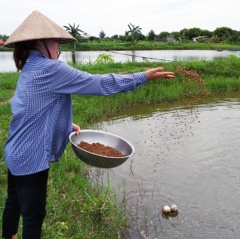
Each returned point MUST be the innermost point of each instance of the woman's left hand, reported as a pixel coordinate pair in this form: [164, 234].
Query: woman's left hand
[76, 128]
[156, 73]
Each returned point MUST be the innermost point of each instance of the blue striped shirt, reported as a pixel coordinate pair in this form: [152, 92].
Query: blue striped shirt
[42, 109]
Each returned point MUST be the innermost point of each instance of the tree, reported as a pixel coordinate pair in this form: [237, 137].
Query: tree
[151, 35]
[176, 36]
[3, 37]
[115, 36]
[102, 34]
[74, 31]
[207, 33]
[223, 34]
[134, 32]
[188, 34]
[235, 37]
[163, 36]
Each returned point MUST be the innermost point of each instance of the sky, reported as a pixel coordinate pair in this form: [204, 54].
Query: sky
[112, 17]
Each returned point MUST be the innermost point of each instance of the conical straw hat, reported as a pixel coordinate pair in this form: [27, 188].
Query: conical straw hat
[37, 26]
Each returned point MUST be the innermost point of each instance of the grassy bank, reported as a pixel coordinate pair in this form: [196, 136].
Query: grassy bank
[143, 45]
[148, 45]
[77, 208]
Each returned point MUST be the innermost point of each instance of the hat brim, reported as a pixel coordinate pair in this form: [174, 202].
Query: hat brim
[61, 41]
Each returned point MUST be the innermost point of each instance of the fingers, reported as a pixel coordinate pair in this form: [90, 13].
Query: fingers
[158, 69]
[76, 128]
[158, 72]
[78, 131]
[168, 74]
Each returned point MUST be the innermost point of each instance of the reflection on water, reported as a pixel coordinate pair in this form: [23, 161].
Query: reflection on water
[187, 156]
[148, 55]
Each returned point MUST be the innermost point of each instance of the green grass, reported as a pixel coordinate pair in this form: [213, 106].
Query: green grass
[148, 45]
[105, 45]
[77, 207]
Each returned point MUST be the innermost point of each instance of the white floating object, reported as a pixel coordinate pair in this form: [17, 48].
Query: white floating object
[166, 209]
[174, 208]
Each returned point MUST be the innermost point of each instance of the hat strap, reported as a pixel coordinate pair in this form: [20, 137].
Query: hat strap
[49, 55]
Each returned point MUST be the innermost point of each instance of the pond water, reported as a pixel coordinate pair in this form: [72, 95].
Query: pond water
[7, 64]
[183, 155]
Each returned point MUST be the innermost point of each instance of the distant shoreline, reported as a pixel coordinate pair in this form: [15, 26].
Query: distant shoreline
[142, 45]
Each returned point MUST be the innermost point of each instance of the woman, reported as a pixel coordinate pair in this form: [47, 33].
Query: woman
[42, 116]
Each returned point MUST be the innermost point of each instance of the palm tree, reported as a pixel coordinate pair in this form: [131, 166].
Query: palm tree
[76, 33]
[74, 30]
[134, 32]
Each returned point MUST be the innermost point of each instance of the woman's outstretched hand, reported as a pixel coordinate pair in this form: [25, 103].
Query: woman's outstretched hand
[158, 72]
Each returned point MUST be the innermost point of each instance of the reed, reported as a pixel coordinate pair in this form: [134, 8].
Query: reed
[78, 206]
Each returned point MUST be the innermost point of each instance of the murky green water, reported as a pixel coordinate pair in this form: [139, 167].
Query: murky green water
[187, 156]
